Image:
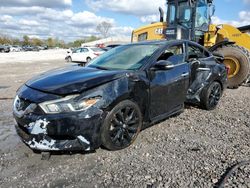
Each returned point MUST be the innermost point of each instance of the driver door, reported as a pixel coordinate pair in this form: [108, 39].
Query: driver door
[168, 88]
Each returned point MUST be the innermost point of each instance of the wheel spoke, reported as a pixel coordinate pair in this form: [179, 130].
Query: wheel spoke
[217, 98]
[125, 115]
[114, 131]
[120, 116]
[128, 136]
[131, 115]
[133, 121]
[116, 121]
[117, 136]
[122, 137]
[132, 129]
[217, 91]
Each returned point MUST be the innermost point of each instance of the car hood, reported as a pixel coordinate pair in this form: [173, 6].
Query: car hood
[73, 79]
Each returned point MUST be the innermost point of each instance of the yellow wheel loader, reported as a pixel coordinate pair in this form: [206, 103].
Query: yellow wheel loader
[191, 19]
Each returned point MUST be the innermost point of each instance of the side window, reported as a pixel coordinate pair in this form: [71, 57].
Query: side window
[84, 50]
[77, 50]
[197, 52]
[143, 36]
[174, 54]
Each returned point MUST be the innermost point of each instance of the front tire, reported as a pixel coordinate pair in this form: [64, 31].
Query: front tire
[211, 95]
[69, 59]
[121, 126]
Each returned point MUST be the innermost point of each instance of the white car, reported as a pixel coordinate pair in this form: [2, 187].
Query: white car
[83, 54]
[15, 48]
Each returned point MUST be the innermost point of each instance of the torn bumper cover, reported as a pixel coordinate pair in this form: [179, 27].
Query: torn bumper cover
[44, 142]
[78, 131]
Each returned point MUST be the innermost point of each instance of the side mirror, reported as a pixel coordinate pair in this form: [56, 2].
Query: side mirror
[163, 65]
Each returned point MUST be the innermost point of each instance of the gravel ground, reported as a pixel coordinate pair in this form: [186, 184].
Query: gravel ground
[193, 149]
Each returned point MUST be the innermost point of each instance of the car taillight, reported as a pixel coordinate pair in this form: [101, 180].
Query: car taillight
[96, 54]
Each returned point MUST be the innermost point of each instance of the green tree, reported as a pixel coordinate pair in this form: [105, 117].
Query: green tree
[92, 38]
[50, 42]
[60, 43]
[4, 39]
[16, 41]
[26, 40]
[37, 42]
[78, 43]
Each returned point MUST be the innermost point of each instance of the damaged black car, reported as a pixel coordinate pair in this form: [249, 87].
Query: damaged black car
[118, 94]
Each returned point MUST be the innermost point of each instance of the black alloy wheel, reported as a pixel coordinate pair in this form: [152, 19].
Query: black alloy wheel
[211, 96]
[215, 95]
[121, 126]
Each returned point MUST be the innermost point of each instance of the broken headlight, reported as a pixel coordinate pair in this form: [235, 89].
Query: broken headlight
[73, 103]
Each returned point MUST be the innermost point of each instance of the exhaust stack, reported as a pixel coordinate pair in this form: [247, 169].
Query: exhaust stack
[161, 14]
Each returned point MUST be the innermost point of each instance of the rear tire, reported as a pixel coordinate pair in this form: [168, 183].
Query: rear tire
[240, 61]
[88, 60]
[121, 126]
[211, 95]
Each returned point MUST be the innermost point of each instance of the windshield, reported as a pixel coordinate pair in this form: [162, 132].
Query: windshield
[128, 57]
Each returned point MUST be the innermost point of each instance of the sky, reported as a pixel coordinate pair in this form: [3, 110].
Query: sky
[69, 20]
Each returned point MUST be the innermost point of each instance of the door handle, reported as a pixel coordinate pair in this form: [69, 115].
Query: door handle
[185, 74]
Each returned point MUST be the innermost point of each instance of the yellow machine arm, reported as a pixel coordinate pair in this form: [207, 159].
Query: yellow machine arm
[218, 33]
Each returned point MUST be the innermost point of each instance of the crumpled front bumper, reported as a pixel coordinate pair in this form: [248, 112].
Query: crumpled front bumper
[71, 132]
[44, 142]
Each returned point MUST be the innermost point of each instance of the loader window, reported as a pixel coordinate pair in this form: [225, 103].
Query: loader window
[171, 14]
[185, 14]
[202, 15]
[199, 52]
[143, 36]
[174, 54]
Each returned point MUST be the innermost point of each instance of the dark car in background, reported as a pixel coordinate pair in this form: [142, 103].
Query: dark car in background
[118, 94]
[4, 48]
[30, 48]
[109, 47]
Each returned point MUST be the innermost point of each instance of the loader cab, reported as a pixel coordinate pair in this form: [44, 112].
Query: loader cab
[188, 19]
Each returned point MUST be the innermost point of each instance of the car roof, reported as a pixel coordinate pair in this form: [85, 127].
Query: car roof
[163, 42]
[166, 43]
[89, 47]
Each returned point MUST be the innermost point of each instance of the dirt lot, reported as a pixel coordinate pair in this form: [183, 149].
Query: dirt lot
[193, 149]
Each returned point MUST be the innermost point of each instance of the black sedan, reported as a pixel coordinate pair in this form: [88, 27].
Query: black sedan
[4, 48]
[117, 95]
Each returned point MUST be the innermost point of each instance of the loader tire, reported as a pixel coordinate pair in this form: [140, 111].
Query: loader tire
[238, 59]
[247, 81]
